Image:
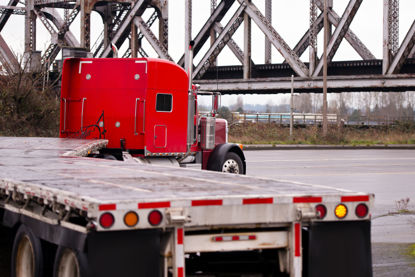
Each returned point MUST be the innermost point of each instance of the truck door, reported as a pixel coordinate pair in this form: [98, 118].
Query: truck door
[165, 121]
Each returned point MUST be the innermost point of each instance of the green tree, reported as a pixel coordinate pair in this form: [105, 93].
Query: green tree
[225, 113]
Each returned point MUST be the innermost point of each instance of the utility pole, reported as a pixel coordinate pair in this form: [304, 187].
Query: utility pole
[292, 106]
[326, 35]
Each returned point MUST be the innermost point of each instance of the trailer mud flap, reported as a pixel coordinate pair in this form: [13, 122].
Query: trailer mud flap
[131, 253]
[338, 249]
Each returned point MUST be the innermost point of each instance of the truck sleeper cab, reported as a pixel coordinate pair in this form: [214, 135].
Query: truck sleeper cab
[141, 106]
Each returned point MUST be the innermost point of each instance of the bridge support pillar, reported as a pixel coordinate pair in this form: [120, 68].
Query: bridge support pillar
[30, 27]
[86, 24]
[133, 41]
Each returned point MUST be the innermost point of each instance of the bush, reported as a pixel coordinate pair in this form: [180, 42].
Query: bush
[26, 108]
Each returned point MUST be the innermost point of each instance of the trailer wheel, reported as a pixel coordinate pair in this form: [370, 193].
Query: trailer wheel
[27, 256]
[69, 263]
[232, 164]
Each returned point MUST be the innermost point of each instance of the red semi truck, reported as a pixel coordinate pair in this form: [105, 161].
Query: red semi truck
[147, 108]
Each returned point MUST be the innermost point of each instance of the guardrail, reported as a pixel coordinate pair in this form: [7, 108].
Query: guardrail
[284, 118]
[379, 121]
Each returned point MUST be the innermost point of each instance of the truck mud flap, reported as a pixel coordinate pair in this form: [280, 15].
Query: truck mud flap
[338, 249]
[127, 253]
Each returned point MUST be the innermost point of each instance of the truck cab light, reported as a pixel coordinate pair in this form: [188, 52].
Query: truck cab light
[340, 211]
[155, 217]
[131, 219]
[361, 210]
[321, 210]
[106, 220]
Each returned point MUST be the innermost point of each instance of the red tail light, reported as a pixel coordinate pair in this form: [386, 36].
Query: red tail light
[322, 211]
[361, 210]
[155, 217]
[106, 220]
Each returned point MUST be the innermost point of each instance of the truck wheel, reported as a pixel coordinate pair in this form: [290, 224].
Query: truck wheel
[69, 263]
[232, 164]
[27, 256]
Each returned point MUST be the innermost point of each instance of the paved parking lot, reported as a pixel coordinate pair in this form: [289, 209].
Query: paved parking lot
[390, 174]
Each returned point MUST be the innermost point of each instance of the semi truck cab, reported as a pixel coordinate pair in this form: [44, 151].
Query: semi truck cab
[143, 107]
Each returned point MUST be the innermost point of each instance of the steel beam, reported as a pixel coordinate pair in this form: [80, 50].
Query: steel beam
[133, 41]
[312, 36]
[140, 36]
[7, 13]
[386, 35]
[304, 42]
[219, 43]
[268, 16]
[54, 47]
[214, 30]
[339, 33]
[187, 35]
[111, 26]
[236, 50]
[163, 15]
[85, 25]
[151, 38]
[412, 54]
[265, 26]
[8, 59]
[357, 83]
[30, 28]
[124, 27]
[247, 45]
[350, 36]
[403, 52]
[60, 24]
[204, 33]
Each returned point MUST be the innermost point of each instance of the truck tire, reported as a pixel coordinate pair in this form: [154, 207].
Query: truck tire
[232, 164]
[27, 256]
[69, 263]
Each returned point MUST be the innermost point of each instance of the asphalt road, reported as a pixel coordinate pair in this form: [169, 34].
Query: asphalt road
[390, 174]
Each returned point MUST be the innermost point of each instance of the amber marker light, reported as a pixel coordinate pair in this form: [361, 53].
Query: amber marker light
[340, 211]
[131, 219]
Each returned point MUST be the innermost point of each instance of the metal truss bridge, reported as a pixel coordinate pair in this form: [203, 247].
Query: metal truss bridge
[124, 23]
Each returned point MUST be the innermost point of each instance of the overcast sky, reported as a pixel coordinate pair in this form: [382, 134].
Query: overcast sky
[290, 19]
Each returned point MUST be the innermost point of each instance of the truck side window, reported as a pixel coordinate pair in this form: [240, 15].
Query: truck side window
[164, 102]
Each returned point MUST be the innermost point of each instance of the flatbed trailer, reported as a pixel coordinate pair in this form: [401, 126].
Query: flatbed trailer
[71, 215]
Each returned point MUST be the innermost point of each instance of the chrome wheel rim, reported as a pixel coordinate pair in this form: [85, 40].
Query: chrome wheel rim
[230, 166]
[68, 264]
[25, 260]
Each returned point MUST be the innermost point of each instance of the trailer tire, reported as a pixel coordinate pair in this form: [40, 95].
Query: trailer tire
[27, 255]
[232, 164]
[69, 263]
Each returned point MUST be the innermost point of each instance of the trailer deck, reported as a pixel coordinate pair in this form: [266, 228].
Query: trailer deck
[53, 170]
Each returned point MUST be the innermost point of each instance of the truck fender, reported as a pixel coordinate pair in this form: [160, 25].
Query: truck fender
[217, 157]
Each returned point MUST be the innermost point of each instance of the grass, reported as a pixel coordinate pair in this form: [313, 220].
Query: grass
[262, 133]
[411, 250]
